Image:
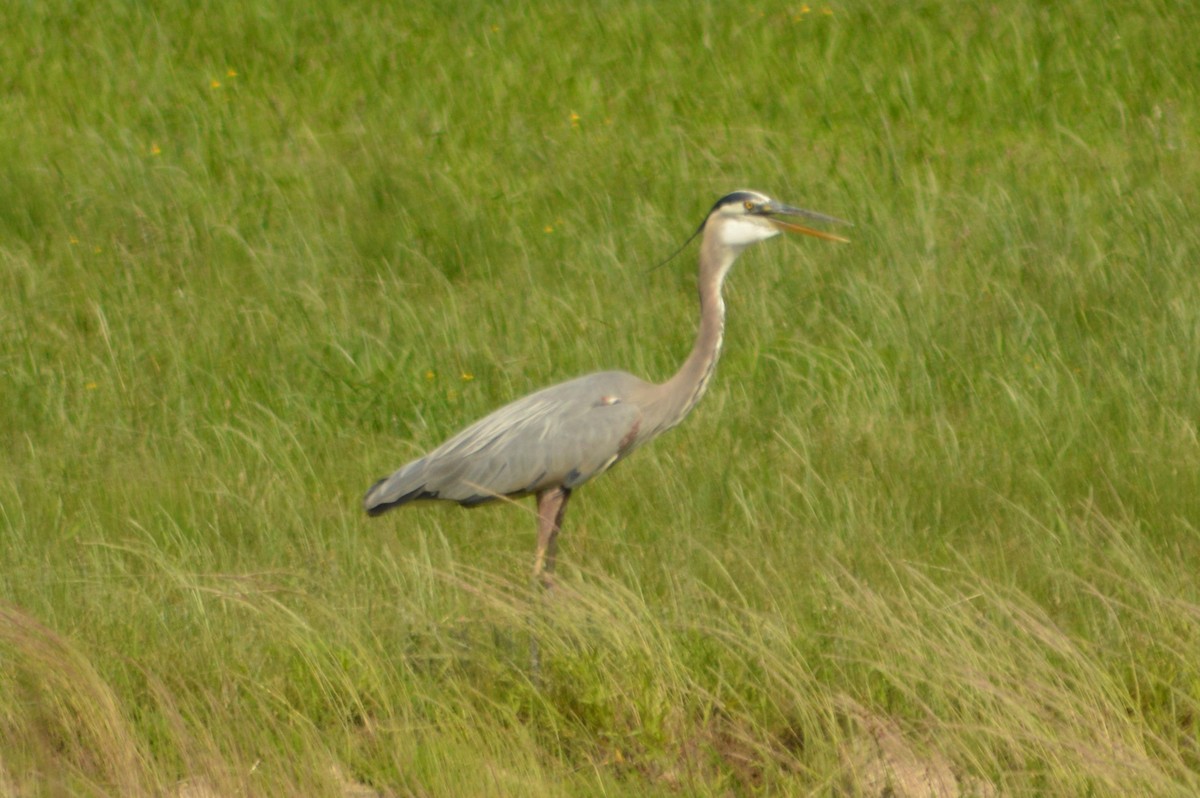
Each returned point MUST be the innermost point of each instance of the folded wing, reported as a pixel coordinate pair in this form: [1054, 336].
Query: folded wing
[560, 436]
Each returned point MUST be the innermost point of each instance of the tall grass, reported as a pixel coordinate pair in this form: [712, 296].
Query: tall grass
[933, 530]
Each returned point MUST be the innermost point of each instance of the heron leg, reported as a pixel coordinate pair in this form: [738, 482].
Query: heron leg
[552, 506]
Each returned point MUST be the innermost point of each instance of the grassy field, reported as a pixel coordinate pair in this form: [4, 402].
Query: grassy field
[935, 529]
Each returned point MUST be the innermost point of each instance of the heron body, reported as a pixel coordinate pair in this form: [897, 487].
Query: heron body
[552, 441]
[561, 436]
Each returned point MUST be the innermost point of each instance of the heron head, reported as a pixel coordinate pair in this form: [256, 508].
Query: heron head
[747, 217]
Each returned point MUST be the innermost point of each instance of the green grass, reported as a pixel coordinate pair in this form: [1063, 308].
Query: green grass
[942, 499]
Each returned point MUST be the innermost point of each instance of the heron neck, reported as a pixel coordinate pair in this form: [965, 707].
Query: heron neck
[682, 391]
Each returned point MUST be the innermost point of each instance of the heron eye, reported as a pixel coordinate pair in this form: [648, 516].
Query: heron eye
[748, 205]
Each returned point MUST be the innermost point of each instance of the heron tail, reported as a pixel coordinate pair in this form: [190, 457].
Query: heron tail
[400, 488]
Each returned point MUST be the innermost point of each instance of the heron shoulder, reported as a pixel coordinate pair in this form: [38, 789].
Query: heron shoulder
[601, 387]
[543, 413]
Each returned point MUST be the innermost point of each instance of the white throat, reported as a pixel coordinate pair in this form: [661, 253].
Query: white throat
[737, 233]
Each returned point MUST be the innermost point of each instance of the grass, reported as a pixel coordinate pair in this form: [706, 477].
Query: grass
[938, 513]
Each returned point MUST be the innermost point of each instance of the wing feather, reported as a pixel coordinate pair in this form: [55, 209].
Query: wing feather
[562, 435]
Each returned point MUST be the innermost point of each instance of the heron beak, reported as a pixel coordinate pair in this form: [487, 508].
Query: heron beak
[786, 210]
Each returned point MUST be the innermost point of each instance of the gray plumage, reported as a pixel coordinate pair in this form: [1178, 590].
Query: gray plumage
[562, 435]
[552, 441]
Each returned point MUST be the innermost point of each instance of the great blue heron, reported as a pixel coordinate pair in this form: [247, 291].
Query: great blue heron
[552, 441]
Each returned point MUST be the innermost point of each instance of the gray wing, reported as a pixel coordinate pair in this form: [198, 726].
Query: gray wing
[562, 435]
